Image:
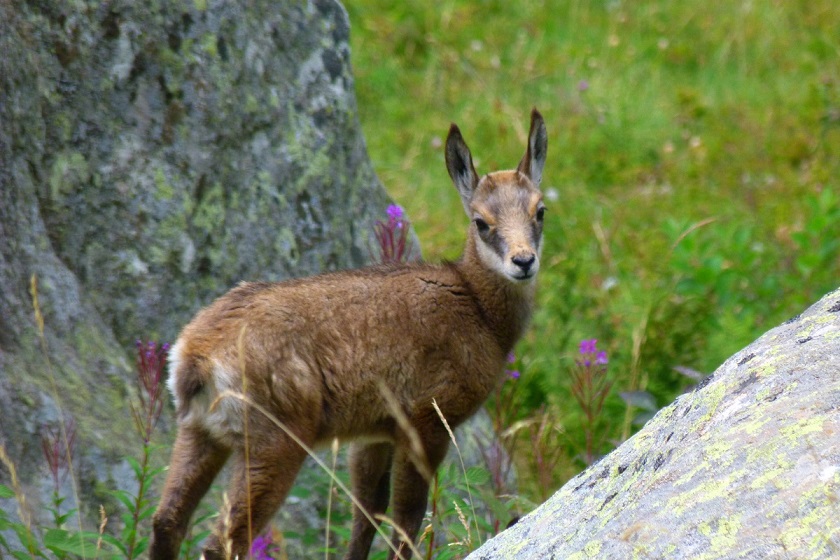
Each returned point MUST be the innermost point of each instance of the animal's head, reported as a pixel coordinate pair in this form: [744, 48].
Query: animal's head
[506, 207]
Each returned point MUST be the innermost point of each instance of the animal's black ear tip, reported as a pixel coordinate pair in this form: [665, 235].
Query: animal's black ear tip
[536, 115]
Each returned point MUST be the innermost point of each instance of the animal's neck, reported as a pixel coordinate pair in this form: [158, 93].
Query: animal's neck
[506, 305]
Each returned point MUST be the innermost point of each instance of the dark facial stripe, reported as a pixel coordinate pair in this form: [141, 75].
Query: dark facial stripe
[536, 234]
[495, 242]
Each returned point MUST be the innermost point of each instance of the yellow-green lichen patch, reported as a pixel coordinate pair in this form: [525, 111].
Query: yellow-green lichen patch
[722, 535]
[711, 399]
[664, 416]
[802, 427]
[766, 369]
[757, 424]
[67, 172]
[592, 549]
[690, 475]
[813, 531]
[209, 44]
[769, 453]
[631, 484]
[516, 548]
[720, 451]
[767, 476]
[165, 190]
[707, 491]
[642, 441]
[774, 391]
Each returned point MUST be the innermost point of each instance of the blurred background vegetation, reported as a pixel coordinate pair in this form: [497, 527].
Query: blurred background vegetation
[692, 176]
[693, 191]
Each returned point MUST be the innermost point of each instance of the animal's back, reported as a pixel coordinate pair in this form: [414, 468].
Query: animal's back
[326, 343]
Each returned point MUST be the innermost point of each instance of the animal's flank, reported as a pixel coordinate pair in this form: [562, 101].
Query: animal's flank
[356, 355]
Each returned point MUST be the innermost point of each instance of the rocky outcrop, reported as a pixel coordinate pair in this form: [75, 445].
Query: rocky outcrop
[152, 155]
[746, 466]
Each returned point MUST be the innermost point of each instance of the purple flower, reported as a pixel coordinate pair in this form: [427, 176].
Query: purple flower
[55, 451]
[513, 373]
[583, 85]
[511, 357]
[590, 387]
[588, 346]
[263, 547]
[589, 350]
[151, 365]
[395, 213]
[392, 236]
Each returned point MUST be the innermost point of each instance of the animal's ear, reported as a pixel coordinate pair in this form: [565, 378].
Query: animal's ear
[534, 160]
[460, 166]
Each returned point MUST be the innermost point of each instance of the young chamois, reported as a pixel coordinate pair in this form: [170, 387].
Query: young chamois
[354, 355]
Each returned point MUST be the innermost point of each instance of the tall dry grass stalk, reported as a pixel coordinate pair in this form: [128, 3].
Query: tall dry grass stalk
[22, 510]
[417, 453]
[39, 321]
[334, 451]
[224, 538]
[463, 469]
[240, 347]
[103, 521]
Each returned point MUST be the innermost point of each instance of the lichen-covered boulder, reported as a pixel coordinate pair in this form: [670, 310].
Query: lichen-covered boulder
[152, 155]
[746, 466]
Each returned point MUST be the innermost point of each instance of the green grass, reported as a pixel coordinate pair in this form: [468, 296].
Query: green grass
[694, 156]
[694, 150]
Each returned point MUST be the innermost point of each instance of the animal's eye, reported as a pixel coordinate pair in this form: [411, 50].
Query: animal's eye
[482, 226]
[541, 213]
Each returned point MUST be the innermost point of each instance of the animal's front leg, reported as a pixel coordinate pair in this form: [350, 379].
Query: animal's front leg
[370, 470]
[411, 491]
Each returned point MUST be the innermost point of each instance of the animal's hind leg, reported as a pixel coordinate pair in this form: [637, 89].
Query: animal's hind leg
[370, 471]
[263, 484]
[196, 460]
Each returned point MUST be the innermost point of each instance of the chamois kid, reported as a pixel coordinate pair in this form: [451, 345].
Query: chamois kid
[354, 355]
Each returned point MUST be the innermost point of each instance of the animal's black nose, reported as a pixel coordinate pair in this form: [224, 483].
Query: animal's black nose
[524, 262]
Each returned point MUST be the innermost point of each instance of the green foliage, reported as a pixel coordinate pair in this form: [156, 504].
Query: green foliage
[132, 542]
[691, 182]
[693, 195]
[466, 510]
[85, 544]
[198, 531]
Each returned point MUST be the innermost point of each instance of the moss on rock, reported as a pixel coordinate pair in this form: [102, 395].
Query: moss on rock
[152, 155]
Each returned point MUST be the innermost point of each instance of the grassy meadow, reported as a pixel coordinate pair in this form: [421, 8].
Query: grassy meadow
[693, 193]
[692, 178]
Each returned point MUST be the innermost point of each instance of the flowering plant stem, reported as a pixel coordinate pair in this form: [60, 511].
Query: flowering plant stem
[590, 388]
[151, 360]
[140, 503]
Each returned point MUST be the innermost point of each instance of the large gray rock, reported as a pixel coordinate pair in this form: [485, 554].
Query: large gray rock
[747, 466]
[152, 155]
